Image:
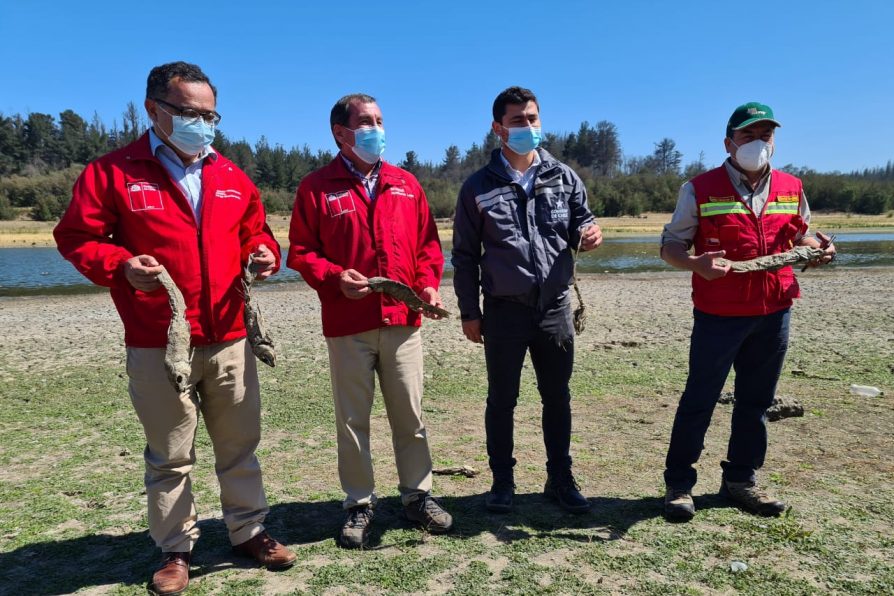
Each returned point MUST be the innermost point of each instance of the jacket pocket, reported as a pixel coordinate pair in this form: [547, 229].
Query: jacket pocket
[729, 240]
[783, 285]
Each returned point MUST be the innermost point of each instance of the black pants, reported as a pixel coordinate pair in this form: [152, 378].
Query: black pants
[756, 347]
[510, 329]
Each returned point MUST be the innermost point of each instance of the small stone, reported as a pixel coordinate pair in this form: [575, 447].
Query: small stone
[738, 567]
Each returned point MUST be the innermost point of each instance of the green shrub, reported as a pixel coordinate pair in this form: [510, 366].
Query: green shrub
[6, 210]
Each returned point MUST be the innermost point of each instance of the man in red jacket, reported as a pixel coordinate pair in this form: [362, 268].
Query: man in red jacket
[742, 210]
[356, 218]
[169, 200]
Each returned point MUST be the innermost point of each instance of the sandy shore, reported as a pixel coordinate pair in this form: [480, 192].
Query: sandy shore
[841, 306]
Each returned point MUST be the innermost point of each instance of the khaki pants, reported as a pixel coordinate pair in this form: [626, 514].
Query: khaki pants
[224, 388]
[395, 354]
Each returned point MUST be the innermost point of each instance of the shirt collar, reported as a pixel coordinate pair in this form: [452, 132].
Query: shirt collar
[512, 171]
[372, 173]
[156, 145]
[735, 174]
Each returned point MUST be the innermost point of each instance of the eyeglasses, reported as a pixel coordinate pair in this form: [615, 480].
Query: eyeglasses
[190, 115]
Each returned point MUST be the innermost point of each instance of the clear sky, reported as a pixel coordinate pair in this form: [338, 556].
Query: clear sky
[654, 68]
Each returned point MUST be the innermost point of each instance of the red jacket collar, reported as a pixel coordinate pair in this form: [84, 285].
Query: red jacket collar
[388, 174]
[142, 149]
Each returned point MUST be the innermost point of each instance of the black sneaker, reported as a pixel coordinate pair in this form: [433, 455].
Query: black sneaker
[355, 531]
[428, 513]
[564, 489]
[499, 499]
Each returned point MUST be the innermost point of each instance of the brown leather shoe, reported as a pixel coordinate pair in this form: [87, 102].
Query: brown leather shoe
[173, 575]
[266, 551]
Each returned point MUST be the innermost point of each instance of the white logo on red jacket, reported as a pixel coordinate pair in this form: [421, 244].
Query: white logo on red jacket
[144, 196]
[397, 191]
[340, 203]
[228, 194]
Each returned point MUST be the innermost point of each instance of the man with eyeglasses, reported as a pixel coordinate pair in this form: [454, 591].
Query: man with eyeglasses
[356, 218]
[168, 200]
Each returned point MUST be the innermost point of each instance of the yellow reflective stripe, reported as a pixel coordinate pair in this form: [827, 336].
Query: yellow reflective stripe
[785, 208]
[710, 209]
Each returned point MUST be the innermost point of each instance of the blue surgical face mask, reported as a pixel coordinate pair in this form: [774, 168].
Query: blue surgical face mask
[523, 140]
[190, 138]
[369, 143]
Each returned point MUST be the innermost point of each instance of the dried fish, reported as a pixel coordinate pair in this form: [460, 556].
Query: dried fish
[255, 328]
[467, 471]
[405, 294]
[799, 254]
[177, 356]
[580, 313]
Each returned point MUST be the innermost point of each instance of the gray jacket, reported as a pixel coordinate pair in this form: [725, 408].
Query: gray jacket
[512, 246]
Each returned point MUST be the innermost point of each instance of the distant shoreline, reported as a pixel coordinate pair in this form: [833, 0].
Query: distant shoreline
[26, 233]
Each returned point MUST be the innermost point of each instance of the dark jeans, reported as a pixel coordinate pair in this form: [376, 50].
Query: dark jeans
[755, 347]
[510, 329]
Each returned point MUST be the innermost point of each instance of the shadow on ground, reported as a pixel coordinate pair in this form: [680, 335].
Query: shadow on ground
[64, 566]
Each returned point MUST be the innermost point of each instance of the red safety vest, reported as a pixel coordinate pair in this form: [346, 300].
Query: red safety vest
[726, 222]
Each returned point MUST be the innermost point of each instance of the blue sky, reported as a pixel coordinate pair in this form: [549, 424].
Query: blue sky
[654, 69]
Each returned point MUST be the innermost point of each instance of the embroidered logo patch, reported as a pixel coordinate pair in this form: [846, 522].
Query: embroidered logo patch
[787, 198]
[228, 194]
[559, 214]
[397, 191]
[728, 199]
[144, 196]
[340, 203]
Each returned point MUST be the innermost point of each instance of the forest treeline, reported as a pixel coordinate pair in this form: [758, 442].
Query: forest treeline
[41, 156]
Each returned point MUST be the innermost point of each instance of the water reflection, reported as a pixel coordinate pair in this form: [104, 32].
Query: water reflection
[42, 270]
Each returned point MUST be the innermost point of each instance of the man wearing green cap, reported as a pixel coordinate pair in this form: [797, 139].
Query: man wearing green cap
[740, 210]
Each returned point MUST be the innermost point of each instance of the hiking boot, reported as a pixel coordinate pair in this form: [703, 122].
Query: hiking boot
[355, 531]
[678, 504]
[751, 498]
[427, 512]
[564, 489]
[266, 551]
[499, 499]
[173, 575]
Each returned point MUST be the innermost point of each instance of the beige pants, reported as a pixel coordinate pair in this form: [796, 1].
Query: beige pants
[395, 354]
[224, 388]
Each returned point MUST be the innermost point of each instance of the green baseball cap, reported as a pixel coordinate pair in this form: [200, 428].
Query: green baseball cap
[747, 114]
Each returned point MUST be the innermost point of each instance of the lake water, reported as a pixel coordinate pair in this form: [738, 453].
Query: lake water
[26, 271]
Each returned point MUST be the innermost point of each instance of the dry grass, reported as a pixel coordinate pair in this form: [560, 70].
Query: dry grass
[72, 513]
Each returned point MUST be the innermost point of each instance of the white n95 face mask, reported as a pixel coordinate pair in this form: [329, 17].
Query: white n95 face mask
[754, 156]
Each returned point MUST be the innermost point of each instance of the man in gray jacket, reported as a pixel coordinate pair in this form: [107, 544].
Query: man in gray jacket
[517, 221]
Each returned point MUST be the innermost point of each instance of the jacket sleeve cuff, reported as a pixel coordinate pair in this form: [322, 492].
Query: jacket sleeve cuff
[470, 314]
[118, 277]
[427, 282]
[331, 286]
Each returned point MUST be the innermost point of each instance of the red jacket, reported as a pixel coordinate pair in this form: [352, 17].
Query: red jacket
[725, 222]
[126, 204]
[336, 227]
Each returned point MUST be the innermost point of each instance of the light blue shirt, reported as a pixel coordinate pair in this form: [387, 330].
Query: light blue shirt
[369, 182]
[524, 179]
[188, 178]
